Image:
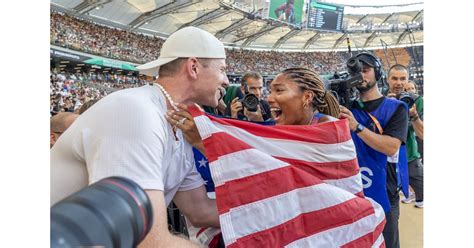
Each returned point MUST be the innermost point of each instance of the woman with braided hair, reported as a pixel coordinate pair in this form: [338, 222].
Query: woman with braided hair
[298, 97]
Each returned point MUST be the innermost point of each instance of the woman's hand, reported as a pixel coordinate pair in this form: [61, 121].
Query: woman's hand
[184, 121]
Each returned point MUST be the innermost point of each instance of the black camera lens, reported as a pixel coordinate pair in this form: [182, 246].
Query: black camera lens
[407, 98]
[354, 66]
[114, 212]
[250, 102]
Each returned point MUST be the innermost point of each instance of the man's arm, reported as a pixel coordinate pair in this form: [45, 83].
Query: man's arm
[416, 117]
[159, 236]
[417, 125]
[235, 107]
[197, 207]
[383, 143]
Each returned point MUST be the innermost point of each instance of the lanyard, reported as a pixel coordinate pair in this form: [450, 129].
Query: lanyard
[376, 122]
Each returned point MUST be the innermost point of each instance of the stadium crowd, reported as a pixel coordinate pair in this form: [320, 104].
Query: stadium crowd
[299, 98]
[69, 91]
[82, 35]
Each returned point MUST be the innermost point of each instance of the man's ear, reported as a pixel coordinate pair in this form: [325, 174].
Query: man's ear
[52, 138]
[191, 67]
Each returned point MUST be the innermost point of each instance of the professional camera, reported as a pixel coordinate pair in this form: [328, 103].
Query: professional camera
[408, 98]
[250, 101]
[114, 212]
[343, 86]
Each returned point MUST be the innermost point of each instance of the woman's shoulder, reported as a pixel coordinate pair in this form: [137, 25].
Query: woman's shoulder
[322, 118]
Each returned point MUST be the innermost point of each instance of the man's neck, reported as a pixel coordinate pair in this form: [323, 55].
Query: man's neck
[370, 95]
[176, 89]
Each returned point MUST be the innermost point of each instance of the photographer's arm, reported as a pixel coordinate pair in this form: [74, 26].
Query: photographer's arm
[235, 107]
[159, 236]
[418, 127]
[383, 143]
[416, 121]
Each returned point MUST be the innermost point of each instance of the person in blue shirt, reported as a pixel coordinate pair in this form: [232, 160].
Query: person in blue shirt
[379, 128]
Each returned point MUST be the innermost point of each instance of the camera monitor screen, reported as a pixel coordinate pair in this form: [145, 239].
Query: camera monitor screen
[323, 16]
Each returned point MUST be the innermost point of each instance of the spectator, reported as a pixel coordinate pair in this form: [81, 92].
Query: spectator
[89, 37]
[410, 87]
[58, 125]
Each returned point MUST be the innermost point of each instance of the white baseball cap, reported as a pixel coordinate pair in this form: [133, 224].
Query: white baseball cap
[185, 43]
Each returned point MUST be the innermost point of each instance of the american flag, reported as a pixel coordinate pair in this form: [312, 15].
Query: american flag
[288, 186]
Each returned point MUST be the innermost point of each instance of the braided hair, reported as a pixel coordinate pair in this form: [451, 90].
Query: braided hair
[308, 79]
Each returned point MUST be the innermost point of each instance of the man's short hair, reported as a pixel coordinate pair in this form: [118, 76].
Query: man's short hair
[248, 75]
[398, 67]
[173, 67]
[61, 121]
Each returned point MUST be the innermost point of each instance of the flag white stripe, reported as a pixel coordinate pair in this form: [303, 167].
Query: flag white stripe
[275, 210]
[310, 152]
[379, 241]
[242, 164]
[306, 151]
[222, 171]
[342, 235]
[351, 184]
[338, 236]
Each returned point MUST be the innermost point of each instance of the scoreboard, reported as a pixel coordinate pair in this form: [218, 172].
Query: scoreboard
[323, 16]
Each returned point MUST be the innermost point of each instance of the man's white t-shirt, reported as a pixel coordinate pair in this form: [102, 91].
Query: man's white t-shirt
[124, 134]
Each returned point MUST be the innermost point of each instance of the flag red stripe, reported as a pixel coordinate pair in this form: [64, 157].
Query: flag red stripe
[215, 241]
[308, 224]
[261, 186]
[326, 170]
[323, 133]
[360, 194]
[220, 144]
[367, 240]
[200, 231]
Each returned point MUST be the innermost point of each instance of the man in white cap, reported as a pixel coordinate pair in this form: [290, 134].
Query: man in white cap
[126, 134]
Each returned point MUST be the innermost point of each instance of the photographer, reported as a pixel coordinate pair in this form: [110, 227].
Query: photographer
[379, 127]
[251, 86]
[397, 80]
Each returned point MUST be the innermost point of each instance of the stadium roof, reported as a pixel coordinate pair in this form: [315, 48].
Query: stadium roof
[241, 23]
